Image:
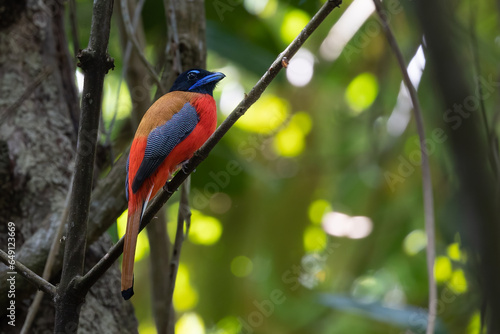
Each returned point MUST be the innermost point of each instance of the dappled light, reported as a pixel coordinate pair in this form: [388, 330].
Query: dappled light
[442, 269]
[205, 230]
[414, 242]
[185, 296]
[300, 70]
[290, 141]
[266, 115]
[295, 20]
[241, 266]
[455, 253]
[79, 80]
[474, 325]
[259, 7]
[400, 116]
[344, 29]
[315, 239]
[361, 92]
[317, 209]
[341, 225]
[115, 104]
[228, 325]
[190, 323]
[147, 328]
[458, 282]
[142, 248]
[231, 95]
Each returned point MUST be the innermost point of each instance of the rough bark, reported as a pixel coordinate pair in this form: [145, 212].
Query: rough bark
[37, 143]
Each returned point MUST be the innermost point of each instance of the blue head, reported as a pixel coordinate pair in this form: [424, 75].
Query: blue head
[197, 81]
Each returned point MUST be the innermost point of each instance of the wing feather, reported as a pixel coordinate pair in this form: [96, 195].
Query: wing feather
[162, 140]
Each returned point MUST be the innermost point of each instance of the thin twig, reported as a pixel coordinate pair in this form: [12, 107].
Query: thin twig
[54, 250]
[126, 59]
[184, 215]
[131, 36]
[170, 62]
[174, 37]
[159, 258]
[27, 92]
[426, 170]
[27, 273]
[100, 268]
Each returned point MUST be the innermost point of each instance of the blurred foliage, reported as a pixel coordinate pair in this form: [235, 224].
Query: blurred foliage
[258, 255]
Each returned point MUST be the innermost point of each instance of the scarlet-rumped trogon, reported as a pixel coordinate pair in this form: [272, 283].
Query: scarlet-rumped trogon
[172, 129]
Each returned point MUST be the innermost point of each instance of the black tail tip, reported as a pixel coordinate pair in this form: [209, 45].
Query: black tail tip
[127, 294]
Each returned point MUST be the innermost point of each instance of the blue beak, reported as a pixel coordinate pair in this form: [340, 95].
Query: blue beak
[214, 77]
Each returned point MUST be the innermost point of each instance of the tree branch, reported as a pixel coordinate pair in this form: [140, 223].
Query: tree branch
[173, 36]
[184, 215]
[98, 270]
[426, 169]
[95, 63]
[133, 69]
[107, 203]
[159, 256]
[32, 277]
[131, 36]
[54, 251]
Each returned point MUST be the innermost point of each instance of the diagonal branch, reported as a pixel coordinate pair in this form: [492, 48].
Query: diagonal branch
[100, 268]
[32, 277]
[131, 36]
[173, 36]
[426, 170]
[54, 250]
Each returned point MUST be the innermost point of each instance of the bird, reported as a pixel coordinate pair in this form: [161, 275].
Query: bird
[172, 129]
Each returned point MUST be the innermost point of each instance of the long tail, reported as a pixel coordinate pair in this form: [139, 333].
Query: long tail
[133, 223]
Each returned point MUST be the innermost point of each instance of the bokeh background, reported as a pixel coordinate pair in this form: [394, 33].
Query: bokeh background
[308, 215]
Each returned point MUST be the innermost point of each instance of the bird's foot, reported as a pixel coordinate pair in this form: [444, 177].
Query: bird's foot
[184, 168]
[165, 188]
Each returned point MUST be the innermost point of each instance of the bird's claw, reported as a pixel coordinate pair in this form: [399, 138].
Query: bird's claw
[184, 168]
[165, 188]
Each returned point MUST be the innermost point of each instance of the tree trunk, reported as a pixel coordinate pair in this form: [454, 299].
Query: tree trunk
[38, 122]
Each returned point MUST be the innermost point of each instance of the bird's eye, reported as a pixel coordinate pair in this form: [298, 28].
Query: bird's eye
[191, 76]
